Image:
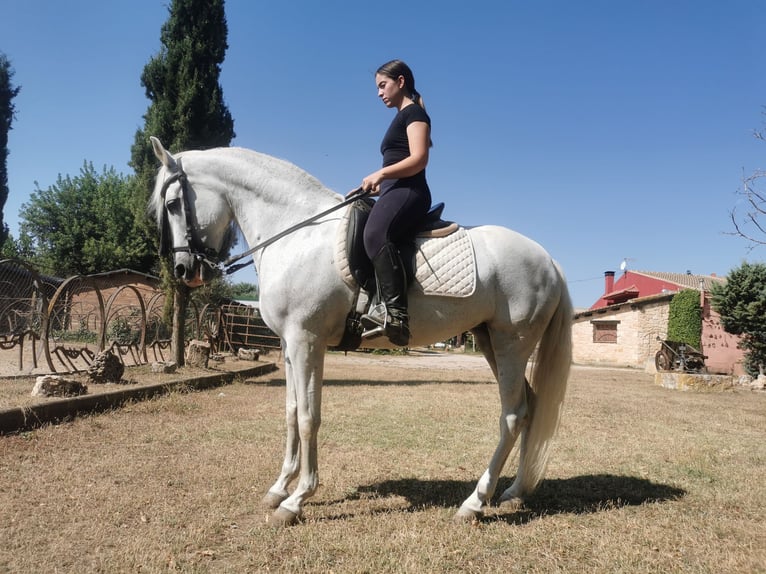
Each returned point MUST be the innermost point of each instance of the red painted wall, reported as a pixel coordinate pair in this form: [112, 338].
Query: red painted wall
[723, 355]
[645, 286]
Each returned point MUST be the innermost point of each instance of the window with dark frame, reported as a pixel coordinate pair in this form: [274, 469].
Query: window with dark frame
[605, 331]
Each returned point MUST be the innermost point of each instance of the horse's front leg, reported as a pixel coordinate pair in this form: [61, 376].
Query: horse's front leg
[306, 362]
[291, 464]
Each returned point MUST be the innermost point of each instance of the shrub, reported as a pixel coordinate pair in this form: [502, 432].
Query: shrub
[685, 318]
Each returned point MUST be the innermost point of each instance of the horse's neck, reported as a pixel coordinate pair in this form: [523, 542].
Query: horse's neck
[268, 195]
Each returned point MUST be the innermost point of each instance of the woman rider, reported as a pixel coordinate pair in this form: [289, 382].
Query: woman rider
[404, 199]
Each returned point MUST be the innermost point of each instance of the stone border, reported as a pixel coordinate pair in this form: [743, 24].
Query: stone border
[15, 419]
[696, 382]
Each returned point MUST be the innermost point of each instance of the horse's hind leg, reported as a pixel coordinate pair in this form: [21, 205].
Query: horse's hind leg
[481, 335]
[514, 495]
[510, 365]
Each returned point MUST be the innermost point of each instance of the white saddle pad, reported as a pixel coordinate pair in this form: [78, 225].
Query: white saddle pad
[446, 265]
[443, 266]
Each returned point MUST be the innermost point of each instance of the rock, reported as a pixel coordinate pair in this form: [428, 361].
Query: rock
[248, 354]
[106, 368]
[164, 367]
[198, 354]
[759, 383]
[56, 386]
[694, 381]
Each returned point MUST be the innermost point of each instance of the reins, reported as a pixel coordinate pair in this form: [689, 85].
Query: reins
[197, 250]
[227, 266]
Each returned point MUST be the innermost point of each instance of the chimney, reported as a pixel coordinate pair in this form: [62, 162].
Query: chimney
[608, 282]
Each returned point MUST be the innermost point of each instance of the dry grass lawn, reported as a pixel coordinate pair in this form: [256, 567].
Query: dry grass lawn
[642, 479]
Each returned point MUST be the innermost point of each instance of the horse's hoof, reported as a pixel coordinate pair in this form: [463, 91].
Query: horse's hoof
[466, 516]
[283, 518]
[273, 500]
[511, 503]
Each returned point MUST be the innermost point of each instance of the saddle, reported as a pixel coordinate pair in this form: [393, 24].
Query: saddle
[360, 266]
[438, 260]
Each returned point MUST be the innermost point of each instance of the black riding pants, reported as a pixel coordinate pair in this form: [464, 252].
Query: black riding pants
[394, 217]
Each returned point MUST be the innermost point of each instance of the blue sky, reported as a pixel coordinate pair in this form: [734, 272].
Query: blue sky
[604, 129]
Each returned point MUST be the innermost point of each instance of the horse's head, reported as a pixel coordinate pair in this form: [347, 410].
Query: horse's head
[194, 220]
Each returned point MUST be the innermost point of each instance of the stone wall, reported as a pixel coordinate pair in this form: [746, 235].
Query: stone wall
[638, 324]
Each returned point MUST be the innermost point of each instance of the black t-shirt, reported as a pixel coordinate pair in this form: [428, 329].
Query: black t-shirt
[396, 145]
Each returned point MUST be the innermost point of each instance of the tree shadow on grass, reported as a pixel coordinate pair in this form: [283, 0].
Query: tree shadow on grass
[577, 495]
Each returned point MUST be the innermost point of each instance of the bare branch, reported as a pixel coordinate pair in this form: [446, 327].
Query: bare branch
[749, 221]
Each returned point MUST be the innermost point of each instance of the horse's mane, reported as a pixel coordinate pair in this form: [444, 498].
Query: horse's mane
[263, 163]
[266, 166]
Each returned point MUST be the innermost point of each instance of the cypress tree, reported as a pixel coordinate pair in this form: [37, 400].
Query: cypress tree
[187, 111]
[7, 109]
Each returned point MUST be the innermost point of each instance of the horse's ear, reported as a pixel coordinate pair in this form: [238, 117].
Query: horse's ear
[162, 154]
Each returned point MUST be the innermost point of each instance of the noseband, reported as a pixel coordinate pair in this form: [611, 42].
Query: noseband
[194, 246]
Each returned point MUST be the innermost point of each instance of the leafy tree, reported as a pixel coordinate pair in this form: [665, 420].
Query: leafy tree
[9, 250]
[17, 249]
[741, 302]
[7, 109]
[247, 291]
[187, 111]
[82, 224]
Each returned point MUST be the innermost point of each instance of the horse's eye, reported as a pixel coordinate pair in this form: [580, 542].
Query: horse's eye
[173, 205]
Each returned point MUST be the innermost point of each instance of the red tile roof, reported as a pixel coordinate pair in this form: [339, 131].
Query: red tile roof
[685, 280]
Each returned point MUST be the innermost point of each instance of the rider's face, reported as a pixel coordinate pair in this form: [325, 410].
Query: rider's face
[390, 90]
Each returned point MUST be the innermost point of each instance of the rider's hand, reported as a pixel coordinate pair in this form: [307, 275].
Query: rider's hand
[372, 182]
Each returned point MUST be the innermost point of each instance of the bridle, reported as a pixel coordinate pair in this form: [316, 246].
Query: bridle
[208, 256]
[194, 246]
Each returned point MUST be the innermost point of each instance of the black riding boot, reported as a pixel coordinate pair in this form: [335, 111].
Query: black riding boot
[389, 316]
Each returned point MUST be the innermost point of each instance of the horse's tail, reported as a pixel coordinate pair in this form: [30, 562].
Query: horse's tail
[548, 383]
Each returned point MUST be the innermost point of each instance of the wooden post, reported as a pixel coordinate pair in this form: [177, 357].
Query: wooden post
[180, 299]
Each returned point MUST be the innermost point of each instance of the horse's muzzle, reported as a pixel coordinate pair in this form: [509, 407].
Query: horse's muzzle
[189, 275]
[194, 272]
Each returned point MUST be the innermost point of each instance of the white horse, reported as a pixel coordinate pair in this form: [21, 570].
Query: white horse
[520, 302]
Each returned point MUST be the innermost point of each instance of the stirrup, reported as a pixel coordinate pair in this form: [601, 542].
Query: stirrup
[380, 322]
[373, 333]
[374, 322]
